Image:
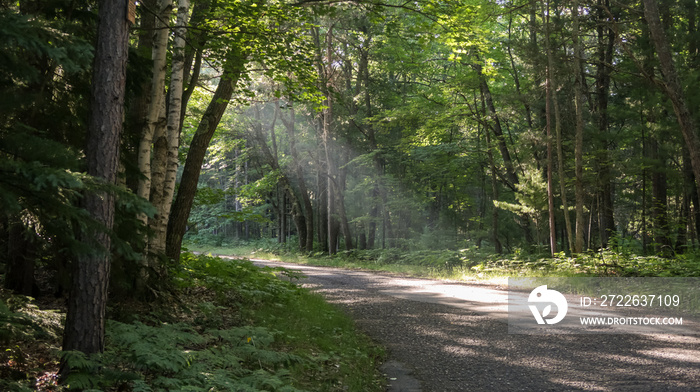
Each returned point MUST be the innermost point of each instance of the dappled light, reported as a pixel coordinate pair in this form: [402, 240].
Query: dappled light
[159, 159]
[418, 319]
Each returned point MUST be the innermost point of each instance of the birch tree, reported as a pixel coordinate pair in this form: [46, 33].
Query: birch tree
[156, 108]
[170, 140]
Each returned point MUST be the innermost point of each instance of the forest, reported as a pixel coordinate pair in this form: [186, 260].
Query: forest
[560, 131]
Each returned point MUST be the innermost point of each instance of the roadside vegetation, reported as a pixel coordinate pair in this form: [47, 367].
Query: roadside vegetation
[469, 263]
[226, 325]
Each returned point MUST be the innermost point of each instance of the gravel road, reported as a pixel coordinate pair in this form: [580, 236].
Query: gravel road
[454, 337]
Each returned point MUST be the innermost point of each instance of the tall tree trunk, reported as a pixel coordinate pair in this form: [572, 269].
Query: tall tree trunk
[516, 78]
[498, 131]
[684, 225]
[159, 166]
[326, 72]
[154, 125]
[369, 242]
[171, 138]
[659, 196]
[606, 40]
[512, 177]
[322, 203]
[672, 86]
[387, 226]
[557, 129]
[550, 165]
[331, 188]
[284, 180]
[578, 70]
[156, 110]
[283, 216]
[139, 105]
[194, 51]
[180, 211]
[645, 236]
[342, 215]
[498, 248]
[85, 318]
[308, 243]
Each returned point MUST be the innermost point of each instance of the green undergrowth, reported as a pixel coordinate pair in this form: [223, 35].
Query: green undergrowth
[231, 327]
[476, 264]
[29, 344]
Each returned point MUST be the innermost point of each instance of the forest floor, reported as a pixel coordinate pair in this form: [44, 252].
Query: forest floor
[451, 336]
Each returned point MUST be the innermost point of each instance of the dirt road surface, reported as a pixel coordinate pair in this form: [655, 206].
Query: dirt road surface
[454, 337]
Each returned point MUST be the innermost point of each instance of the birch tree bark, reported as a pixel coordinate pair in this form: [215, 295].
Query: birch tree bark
[180, 211]
[172, 131]
[156, 109]
[154, 124]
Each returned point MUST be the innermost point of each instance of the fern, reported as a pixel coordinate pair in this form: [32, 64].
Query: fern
[175, 357]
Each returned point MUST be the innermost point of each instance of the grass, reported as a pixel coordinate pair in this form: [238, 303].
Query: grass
[472, 264]
[338, 358]
[480, 267]
[228, 326]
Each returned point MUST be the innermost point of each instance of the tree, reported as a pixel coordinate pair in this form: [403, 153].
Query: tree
[85, 319]
[551, 98]
[177, 224]
[168, 142]
[579, 72]
[672, 86]
[154, 117]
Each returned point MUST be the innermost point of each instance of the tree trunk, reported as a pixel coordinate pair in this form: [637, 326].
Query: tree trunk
[308, 243]
[685, 218]
[498, 131]
[154, 128]
[139, 105]
[368, 241]
[196, 39]
[672, 86]
[170, 141]
[511, 175]
[156, 109]
[322, 204]
[498, 248]
[342, 215]
[180, 211]
[329, 179]
[659, 202]
[550, 168]
[645, 237]
[606, 40]
[557, 129]
[85, 319]
[578, 70]
[283, 216]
